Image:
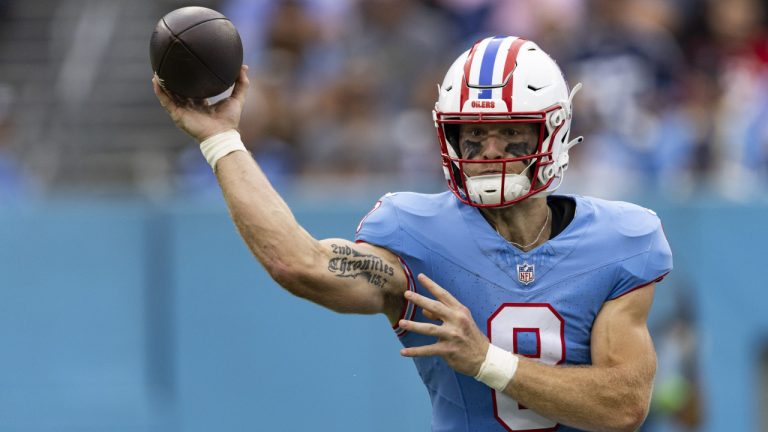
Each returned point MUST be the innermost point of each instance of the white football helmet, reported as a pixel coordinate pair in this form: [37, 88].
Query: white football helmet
[505, 80]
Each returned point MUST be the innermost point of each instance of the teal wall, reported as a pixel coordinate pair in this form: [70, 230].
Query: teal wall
[126, 316]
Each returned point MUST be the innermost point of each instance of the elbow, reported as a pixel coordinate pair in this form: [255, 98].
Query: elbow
[303, 284]
[286, 275]
[631, 402]
[631, 418]
[292, 271]
[296, 280]
[631, 424]
[635, 417]
[624, 410]
[628, 426]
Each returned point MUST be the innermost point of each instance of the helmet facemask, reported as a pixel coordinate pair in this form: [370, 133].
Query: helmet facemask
[502, 186]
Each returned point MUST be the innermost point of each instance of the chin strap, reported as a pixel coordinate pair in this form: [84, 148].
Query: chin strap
[486, 189]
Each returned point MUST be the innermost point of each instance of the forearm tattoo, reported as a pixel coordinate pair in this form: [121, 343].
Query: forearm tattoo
[349, 263]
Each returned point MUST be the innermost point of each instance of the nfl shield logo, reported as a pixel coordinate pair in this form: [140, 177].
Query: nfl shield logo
[526, 273]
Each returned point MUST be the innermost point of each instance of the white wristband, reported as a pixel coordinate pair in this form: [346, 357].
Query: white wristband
[498, 368]
[220, 145]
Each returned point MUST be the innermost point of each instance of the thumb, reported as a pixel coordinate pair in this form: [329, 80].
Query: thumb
[162, 96]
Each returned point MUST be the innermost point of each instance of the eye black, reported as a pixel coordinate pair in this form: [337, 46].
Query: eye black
[520, 149]
[470, 149]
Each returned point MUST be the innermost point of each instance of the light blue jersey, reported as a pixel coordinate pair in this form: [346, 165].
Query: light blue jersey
[541, 303]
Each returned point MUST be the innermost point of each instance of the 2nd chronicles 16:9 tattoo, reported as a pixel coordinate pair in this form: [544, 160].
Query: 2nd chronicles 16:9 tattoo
[352, 264]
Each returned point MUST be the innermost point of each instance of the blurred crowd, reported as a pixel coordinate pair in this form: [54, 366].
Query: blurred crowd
[675, 94]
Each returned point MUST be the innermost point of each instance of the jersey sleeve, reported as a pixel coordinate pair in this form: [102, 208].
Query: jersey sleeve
[380, 226]
[649, 266]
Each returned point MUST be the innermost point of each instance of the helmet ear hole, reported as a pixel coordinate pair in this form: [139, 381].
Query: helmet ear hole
[556, 119]
[549, 172]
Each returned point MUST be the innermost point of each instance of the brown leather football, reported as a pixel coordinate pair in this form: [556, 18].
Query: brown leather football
[196, 52]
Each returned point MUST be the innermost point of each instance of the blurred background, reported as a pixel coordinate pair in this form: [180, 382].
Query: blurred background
[128, 302]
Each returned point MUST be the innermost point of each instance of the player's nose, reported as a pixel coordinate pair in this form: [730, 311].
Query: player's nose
[494, 147]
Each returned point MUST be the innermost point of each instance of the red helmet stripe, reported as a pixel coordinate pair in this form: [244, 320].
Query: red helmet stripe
[467, 67]
[509, 66]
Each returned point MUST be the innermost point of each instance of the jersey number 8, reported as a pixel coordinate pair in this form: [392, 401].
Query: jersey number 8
[543, 328]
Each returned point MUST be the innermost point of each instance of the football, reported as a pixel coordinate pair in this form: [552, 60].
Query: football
[196, 52]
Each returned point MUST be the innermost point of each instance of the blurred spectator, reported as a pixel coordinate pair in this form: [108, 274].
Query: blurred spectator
[677, 395]
[631, 67]
[737, 49]
[402, 42]
[4, 6]
[344, 135]
[295, 36]
[468, 17]
[353, 122]
[337, 84]
[553, 24]
[265, 130]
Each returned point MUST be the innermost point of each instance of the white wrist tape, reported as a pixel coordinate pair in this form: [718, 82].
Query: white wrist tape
[498, 368]
[220, 145]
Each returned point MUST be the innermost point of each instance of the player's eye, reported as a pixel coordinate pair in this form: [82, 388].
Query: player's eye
[509, 132]
[475, 132]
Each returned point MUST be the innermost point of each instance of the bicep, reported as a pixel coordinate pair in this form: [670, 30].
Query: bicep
[620, 336]
[357, 278]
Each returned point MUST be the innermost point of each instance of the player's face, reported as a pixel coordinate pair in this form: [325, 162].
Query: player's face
[491, 141]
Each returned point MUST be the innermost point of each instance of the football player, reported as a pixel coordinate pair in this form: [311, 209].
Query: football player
[523, 310]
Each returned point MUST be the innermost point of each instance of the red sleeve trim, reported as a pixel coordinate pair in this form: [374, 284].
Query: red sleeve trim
[658, 279]
[409, 309]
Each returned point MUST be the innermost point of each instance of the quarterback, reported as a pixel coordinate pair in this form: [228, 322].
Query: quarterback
[522, 310]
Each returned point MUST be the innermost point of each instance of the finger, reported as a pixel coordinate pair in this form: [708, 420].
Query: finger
[422, 351]
[241, 85]
[177, 100]
[438, 309]
[430, 315]
[183, 101]
[199, 103]
[439, 292]
[421, 328]
[162, 96]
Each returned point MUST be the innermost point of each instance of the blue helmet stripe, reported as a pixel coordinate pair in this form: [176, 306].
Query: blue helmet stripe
[486, 67]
